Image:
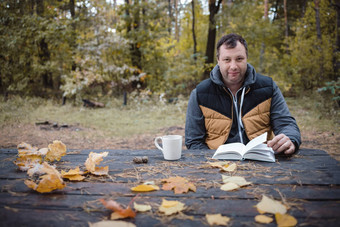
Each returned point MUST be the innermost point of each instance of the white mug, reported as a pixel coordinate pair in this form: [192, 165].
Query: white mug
[171, 146]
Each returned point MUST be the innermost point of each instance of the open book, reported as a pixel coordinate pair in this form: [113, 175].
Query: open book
[255, 150]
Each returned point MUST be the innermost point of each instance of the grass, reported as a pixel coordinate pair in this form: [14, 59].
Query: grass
[138, 117]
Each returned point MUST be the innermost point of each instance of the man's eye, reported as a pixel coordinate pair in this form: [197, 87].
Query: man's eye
[240, 59]
[227, 60]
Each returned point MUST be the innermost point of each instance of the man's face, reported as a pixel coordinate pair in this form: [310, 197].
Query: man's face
[233, 65]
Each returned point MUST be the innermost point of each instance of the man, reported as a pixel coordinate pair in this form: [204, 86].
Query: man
[236, 104]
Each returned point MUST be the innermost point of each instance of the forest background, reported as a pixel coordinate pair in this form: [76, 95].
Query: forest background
[152, 51]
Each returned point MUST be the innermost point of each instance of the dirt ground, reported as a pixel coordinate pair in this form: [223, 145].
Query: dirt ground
[76, 137]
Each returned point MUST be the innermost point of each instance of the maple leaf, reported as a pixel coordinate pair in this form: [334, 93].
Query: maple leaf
[171, 207]
[267, 205]
[55, 151]
[217, 219]
[285, 220]
[119, 211]
[178, 184]
[49, 178]
[95, 159]
[263, 219]
[145, 188]
[141, 207]
[73, 174]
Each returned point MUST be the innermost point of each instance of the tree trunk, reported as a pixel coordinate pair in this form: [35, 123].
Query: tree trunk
[193, 28]
[319, 37]
[263, 46]
[176, 20]
[210, 49]
[286, 23]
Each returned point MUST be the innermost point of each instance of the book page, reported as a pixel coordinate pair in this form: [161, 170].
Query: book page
[261, 152]
[256, 141]
[231, 148]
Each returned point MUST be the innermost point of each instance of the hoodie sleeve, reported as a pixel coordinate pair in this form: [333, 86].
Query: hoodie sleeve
[194, 125]
[281, 119]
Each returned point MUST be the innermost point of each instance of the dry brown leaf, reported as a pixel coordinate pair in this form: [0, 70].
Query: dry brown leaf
[145, 188]
[49, 178]
[141, 207]
[235, 179]
[55, 151]
[178, 184]
[267, 205]
[171, 207]
[119, 211]
[217, 219]
[112, 223]
[263, 219]
[100, 171]
[225, 166]
[73, 174]
[229, 186]
[285, 220]
[28, 156]
[93, 160]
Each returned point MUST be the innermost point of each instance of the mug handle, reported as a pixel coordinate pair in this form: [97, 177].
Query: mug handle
[156, 143]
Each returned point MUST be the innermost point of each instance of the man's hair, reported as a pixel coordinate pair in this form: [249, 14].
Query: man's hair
[230, 41]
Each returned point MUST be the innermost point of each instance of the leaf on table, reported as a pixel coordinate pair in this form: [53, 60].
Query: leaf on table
[119, 211]
[229, 186]
[217, 219]
[145, 188]
[112, 223]
[141, 207]
[73, 174]
[95, 159]
[263, 219]
[171, 207]
[178, 184]
[267, 205]
[235, 179]
[49, 178]
[55, 151]
[28, 156]
[225, 166]
[285, 220]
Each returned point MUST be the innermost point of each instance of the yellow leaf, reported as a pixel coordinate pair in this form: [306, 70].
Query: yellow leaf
[55, 151]
[217, 219]
[219, 164]
[263, 219]
[93, 160]
[235, 179]
[145, 188]
[141, 207]
[229, 168]
[171, 207]
[267, 205]
[73, 174]
[285, 220]
[112, 223]
[119, 211]
[28, 156]
[229, 186]
[99, 171]
[49, 179]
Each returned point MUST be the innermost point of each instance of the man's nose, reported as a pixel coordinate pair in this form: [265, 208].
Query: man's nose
[233, 65]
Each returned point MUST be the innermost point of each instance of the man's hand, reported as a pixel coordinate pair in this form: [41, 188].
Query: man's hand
[281, 143]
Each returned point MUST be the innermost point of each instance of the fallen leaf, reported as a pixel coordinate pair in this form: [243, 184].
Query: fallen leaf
[229, 186]
[93, 160]
[263, 219]
[171, 207]
[73, 174]
[112, 223]
[55, 151]
[285, 220]
[49, 178]
[225, 166]
[178, 184]
[217, 219]
[145, 188]
[235, 179]
[119, 211]
[100, 171]
[141, 207]
[28, 156]
[267, 205]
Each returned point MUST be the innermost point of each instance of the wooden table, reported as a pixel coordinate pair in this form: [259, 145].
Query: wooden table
[309, 183]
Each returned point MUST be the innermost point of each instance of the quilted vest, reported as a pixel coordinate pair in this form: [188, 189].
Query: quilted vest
[217, 107]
